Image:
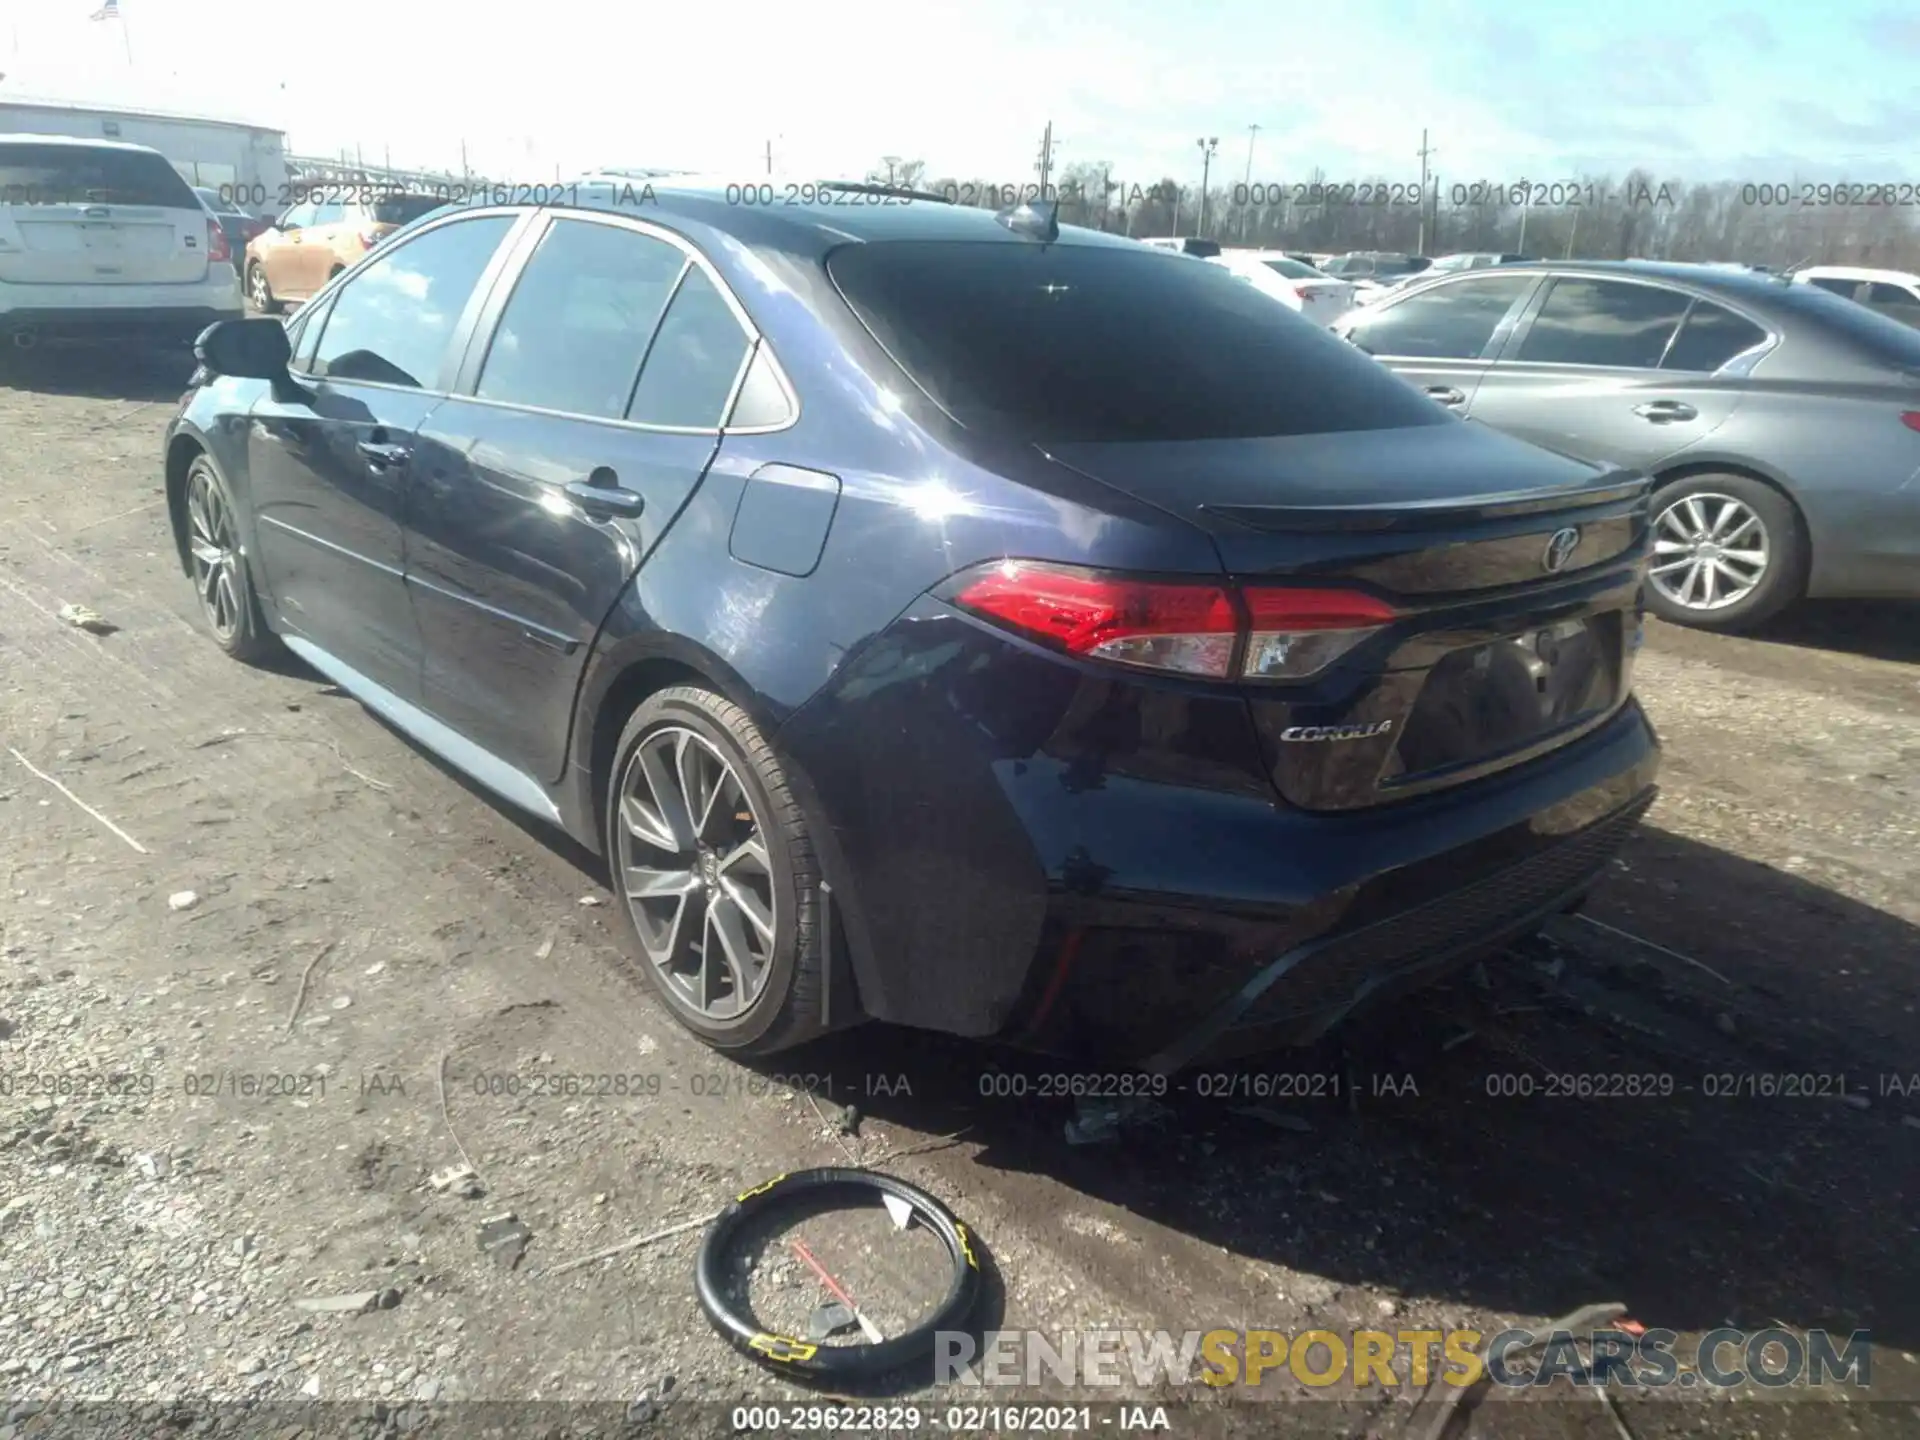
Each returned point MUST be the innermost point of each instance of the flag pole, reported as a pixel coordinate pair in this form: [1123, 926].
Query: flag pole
[126, 35]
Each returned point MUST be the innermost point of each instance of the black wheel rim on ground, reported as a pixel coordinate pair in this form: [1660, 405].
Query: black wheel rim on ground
[802, 1359]
[210, 545]
[696, 874]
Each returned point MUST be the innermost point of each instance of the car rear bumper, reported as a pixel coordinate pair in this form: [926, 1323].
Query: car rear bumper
[1099, 868]
[171, 324]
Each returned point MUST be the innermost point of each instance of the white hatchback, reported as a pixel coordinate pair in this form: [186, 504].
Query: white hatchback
[104, 240]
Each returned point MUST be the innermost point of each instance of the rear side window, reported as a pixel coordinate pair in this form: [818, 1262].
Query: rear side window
[1835, 286]
[1094, 343]
[1604, 322]
[574, 333]
[33, 174]
[694, 361]
[1453, 321]
[391, 323]
[1712, 336]
[1895, 301]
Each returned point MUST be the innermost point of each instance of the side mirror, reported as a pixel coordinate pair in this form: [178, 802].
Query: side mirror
[251, 349]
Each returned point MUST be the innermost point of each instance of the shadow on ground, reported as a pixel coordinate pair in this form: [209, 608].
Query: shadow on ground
[99, 372]
[1468, 1169]
[1878, 629]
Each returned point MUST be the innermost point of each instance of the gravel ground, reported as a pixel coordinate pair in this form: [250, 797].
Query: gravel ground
[292, 968]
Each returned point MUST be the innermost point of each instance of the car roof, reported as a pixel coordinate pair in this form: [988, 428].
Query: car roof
[814, 225]
[77, 142]
[1707, 277]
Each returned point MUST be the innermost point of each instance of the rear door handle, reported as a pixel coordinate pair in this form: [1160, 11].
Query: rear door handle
[1662, 411]
[1447, 395]
[605, 501]
[384, 456]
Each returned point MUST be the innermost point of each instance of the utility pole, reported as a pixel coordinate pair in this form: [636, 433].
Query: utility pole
[769, 157]
[1426, 152]
[1046, 158]
[1253, 132]
[1207, 147]
[1246, 215]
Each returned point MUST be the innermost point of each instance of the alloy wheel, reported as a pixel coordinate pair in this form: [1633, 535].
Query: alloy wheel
[258, 285]
[696, 874]
[1709, 551]
[210, 544]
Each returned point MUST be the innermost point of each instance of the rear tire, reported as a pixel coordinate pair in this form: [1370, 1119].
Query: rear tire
[711, 857]
[260, 290]
[1730, 553]
[228, 602]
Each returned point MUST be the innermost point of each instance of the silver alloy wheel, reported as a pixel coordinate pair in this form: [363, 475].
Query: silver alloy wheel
[210, 544]
[1709, 551]
[258, 285]
[694, 868]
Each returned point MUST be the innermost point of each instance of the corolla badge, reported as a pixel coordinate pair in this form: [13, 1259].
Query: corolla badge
[1560, 547]
[1297, 733]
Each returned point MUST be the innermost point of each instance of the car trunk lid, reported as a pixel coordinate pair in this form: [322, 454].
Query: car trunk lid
[1513, 575]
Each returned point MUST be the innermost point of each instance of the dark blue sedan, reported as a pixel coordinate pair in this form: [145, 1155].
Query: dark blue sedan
[934, 616]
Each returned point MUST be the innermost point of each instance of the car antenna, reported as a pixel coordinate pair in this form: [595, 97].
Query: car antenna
[1039, 219]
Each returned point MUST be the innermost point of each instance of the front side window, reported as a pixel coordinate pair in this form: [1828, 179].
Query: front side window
[1894, 300]
[392, 322]
[1452, 321]
[1604, 322]
[695, 359]
[1836, 285]
[574, 332]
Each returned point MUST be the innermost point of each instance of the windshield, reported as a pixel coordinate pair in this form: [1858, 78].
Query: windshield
[1093, 343]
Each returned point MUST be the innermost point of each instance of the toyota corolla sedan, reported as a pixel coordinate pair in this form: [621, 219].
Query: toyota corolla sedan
[944, 618]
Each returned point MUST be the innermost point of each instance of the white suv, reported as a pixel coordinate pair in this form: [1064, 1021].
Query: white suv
[1891, 292]
[100, 239]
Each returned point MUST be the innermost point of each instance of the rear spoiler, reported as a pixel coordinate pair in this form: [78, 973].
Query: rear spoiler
[1427, 514]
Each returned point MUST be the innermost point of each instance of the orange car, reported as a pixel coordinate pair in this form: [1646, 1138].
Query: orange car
[317, 239]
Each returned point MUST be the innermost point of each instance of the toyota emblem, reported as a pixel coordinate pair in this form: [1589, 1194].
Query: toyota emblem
[1560, 547]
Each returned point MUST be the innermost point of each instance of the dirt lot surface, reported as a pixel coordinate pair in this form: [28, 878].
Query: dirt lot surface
[367, 923]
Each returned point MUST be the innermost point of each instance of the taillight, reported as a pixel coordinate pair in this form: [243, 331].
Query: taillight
[1190, 629]
[370, 238]
[1911, 419]
[1295, 633]
[217, 247]
[1184, 628]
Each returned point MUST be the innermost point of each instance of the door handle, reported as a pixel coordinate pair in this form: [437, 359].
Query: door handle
[384, 456]
[605, 502]
[1447, 395]
[1662, 411]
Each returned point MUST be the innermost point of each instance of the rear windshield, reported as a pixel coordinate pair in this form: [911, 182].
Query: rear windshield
[1094, 343]
[1205, 249]
[1885, 340]
[1292, 269]
[33, 174]
[403, 209]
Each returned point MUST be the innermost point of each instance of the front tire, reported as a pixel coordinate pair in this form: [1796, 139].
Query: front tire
[1730, 552]
[711, 858]
[228, 601]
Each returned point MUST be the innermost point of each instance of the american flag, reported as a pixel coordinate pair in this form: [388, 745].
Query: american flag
[110, 10]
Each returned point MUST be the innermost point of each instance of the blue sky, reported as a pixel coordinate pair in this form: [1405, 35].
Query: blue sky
[1541, 91]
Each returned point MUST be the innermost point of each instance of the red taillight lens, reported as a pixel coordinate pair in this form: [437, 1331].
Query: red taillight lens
[1911, 419]
[1296, 633]
[217, 247]
[1189, 629]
